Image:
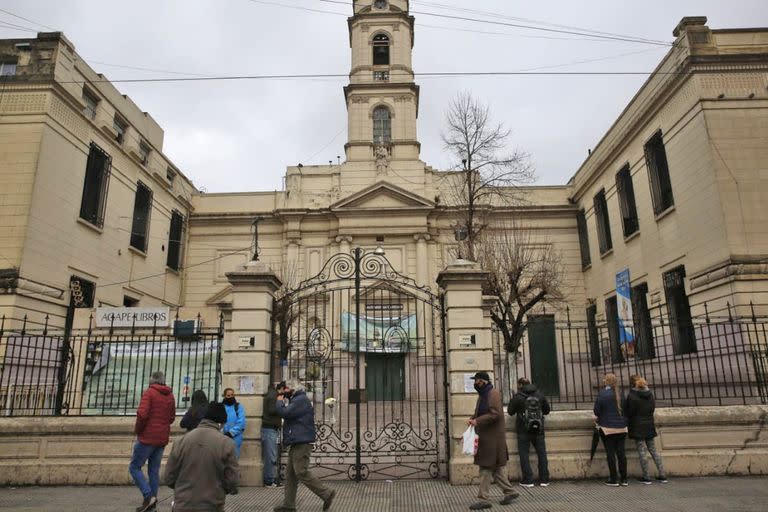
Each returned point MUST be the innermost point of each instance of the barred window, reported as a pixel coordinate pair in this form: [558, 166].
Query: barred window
[95, 187]
[381, 50]
[603, 223]
[382, 126]
[120, 127]
[82, 292]
[681, 323]
[594, 338]
[144, 152]
[658, 173]
[142, 208]
[641, 316]
[175, 240]
[627, 206]
[581, 223]
[612, 319]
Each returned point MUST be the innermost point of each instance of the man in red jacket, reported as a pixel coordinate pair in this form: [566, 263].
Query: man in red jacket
[154, 416]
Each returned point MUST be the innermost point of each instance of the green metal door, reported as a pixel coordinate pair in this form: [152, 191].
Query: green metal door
[543, 349]
[385, 377]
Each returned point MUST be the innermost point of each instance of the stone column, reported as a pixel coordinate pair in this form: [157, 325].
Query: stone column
[246, 355]
[422, 263]
[468, 333]
[345, 244]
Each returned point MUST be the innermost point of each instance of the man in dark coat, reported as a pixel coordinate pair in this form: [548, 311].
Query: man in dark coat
[517, 407]
[298, 435]
[202, 468]
[492, 455]
[156, 412]
[270, 426]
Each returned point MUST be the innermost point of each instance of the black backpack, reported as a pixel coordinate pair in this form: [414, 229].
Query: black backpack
[532, 415]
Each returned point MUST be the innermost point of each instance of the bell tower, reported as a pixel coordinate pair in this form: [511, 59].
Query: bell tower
[382, 97]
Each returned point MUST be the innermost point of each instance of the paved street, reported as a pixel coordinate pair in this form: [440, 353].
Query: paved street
[699, 494]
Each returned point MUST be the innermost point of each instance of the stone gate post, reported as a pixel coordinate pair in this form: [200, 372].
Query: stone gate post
[246, 355]
[468, 333]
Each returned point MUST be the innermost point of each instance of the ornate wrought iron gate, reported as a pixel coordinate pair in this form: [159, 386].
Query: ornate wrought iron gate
[369, 344]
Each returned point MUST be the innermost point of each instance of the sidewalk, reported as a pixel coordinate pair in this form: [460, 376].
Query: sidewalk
[690, 494]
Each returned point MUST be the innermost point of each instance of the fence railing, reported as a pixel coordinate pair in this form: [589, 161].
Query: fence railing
[102, 371]
[708, 361]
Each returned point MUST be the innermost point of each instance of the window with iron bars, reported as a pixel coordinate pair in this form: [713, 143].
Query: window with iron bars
[381, 76]
[603, 222]
[679, 309]
[581, 223]
[91, 104]
[658, 174]
[382, 126]
[142, 208]
[594, 337]
[612, 320]
[95, 187]
[381, 50]
[175, 240]
[627, 206]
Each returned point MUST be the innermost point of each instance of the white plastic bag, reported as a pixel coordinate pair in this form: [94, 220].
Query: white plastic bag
[470, 442]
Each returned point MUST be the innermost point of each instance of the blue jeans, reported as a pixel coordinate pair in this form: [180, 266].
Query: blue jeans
[269, 455]
[153, 455]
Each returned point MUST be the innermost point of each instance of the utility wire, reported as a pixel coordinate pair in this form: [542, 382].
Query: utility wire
[28, 20]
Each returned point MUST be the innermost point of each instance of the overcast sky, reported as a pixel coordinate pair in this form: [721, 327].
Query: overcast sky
[240, 135]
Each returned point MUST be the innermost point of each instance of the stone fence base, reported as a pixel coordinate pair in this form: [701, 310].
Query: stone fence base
[694, 441]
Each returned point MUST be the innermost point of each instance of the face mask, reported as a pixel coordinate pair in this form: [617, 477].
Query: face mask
[479, 387]
[229, 401]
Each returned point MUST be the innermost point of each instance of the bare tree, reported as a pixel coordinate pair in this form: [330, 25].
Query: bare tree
[524, 272]
[486, 172]
[284, 310]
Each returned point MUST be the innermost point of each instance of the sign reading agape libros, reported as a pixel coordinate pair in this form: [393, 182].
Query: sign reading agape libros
[130, 317]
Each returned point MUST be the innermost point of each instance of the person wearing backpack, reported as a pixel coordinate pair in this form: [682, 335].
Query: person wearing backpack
[529, 406]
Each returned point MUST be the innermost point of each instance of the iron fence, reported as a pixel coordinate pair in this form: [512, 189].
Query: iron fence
[708, 361]
[102, 372]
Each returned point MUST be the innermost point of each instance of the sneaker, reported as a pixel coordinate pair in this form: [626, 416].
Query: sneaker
[544, 484]
[526, 484]
[662, 479]
[612, 483]
[624, 483]
[329, 501]
[645, 481]
[509, 498]
[149, 504]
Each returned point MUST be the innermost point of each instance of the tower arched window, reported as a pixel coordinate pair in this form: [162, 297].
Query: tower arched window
[382, 126]
[381, 50]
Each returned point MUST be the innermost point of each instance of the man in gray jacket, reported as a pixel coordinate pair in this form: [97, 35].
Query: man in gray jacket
[202, 468]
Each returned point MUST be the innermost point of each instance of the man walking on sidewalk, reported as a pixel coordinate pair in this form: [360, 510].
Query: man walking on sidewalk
[298, 435]
[491, 455]
[529, 406]
[202, 468]
[156, 412]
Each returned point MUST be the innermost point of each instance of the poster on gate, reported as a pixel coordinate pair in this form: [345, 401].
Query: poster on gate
[626, 322]
[122, 370]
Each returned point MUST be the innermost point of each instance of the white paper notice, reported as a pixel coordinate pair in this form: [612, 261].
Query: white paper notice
[469, 383]
[247, 385]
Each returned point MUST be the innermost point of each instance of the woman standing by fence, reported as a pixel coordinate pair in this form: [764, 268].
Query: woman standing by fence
[613, 429]
[639, 411]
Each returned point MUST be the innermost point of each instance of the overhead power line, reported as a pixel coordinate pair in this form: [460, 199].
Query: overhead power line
[28, 20]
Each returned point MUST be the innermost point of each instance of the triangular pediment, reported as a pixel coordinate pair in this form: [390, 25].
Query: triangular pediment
[382, 196]
[222, 297]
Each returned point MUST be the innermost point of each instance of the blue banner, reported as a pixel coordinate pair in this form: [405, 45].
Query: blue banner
[624, 305]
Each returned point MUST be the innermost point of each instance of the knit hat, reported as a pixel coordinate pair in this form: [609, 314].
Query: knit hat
[216, 412]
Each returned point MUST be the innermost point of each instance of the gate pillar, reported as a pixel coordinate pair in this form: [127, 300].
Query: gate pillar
[468, 350]
[246, 361]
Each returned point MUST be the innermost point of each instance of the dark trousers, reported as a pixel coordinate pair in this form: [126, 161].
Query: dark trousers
[614, 449]
[524, 442]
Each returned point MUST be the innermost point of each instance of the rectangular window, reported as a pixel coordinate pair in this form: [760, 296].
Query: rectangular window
[603, 223]
[7, 68]
[612, 319]
[170, 175]
[626, 193]
[381, 76]
[144, 153]
[142, 208]
[658, 173]
[594, 339]
[130, 302]
[681, 323]
[91, 104]
[581, 223]
[641, 317]
[82, 292]
[120, 127]
[96, 184]
[175, 240]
